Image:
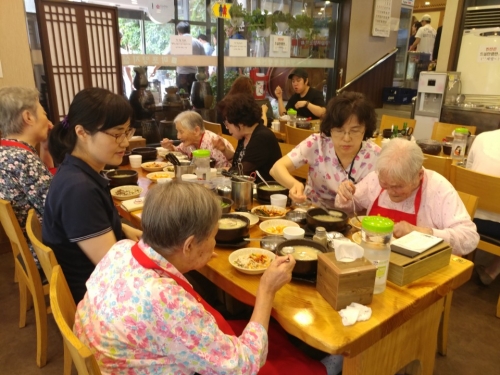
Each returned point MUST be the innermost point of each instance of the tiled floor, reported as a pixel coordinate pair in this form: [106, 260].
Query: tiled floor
[473, 340]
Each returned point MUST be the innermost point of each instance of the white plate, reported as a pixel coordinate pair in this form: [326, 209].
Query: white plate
[356, 237]
[254, 219]
[153, 166]
[123, 193]
[169, 168]
[278, 225]
[156, 175]
[247, 251]
[356, 224]
[279, 212]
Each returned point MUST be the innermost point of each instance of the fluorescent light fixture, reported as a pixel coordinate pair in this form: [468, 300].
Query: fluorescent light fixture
[322, 9]
[327, 2]
[427, 3]
[320, 12]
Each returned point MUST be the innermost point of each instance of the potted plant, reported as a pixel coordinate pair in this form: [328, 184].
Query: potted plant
[260, 21]
[323, 25]
[237, 14]
[281, 20]
[303, 24]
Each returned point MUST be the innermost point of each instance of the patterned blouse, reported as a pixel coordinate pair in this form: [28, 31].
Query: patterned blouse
[325, 171]
[140, 321]
[24, 182]
[207, 144]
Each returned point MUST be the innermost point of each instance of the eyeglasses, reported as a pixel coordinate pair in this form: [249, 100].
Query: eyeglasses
[121, 137]
[353, 133]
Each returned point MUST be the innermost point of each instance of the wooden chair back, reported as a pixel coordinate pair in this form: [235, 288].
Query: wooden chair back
[387, 121]
[64, 309]
[45, 255]
[301, 172]
[213, 127]
[438, 164]
[470, 202]
[296, 135]
[28, 278]
[230, 139]
[441, 129]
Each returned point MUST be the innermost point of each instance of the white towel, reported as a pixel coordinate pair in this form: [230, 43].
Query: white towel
[133, 204]
[355, 312]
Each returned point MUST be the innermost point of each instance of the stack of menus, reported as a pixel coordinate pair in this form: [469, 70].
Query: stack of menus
[414, 243]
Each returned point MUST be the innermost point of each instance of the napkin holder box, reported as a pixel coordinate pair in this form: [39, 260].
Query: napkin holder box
[136, 142]
[403, 270]
[341, 283]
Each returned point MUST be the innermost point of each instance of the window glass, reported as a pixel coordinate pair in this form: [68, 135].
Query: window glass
[157, 37]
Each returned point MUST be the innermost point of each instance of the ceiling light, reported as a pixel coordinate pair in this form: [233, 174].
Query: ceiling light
[322, 9]
[320, 12]
[327, 2]
[427, 3]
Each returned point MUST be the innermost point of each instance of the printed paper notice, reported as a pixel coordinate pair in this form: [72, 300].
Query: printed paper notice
[280, 46]
[237, 48]
[382, 18]
[488, 54]
[181, 45]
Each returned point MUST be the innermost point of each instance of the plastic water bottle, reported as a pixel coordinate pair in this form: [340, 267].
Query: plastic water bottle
[459, 144]
[376, 234]
[201, 158]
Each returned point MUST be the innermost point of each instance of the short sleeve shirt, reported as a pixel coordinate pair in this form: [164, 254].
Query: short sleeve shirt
[427, 35]
[313, 96]
[24, 182]
[325, 171]
[78, 207]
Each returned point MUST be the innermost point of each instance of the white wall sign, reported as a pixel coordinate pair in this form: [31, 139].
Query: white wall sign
[181, 45]
[488, 54]
[161, 11]
[408, 2]
[382, 18]
[280, 46]
[237, 48]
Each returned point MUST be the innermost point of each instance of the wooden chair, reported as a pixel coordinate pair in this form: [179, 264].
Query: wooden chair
[442, 129]
[48, 261]
[386, 122]
[231, 139]
[213, 127]
[29, 279]
[301, 172]
[438, 164]
[296, 135]
[470, 203]
[486, 188]
[64, 309]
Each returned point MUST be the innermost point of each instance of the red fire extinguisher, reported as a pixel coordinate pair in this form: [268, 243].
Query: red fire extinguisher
[259, 80]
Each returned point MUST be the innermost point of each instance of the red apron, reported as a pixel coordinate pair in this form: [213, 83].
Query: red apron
[283, 357]
[5, 142]
[396, 215]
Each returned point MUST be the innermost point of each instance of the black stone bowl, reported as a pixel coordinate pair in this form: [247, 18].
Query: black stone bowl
[302, 267]
[120, 177]
[429, 146]
[148, 153]
[337, 226]
[265, 195]
[228, 203]
[233, 234]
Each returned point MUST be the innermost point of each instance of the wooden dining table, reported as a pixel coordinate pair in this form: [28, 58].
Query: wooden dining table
[403, 327]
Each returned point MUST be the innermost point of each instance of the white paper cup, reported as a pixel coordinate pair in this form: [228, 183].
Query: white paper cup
[279, 200]
[189, 177]
[293, 233]
[135, 161]
[162, 181]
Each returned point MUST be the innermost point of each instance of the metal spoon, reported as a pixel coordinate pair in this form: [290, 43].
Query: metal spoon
[354, 212]
[288, 250]
[264, 181]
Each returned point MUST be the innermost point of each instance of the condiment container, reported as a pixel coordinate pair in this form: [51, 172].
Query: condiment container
[376, 234]
[201, 159]
[320, 236]
[459, 144]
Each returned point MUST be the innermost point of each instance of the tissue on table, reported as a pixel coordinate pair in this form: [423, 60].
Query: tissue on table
[347, 251]
[355, 312]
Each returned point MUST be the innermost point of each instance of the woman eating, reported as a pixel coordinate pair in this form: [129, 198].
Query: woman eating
[194, 136]
[341, 151]
[258, 148]
[140, 314]
[80, 221]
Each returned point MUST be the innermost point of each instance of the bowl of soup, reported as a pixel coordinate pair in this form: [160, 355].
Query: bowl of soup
[232, 228]
[121, 177]
[264, 192]
[225, 204]
[305, 253]
[331, 220]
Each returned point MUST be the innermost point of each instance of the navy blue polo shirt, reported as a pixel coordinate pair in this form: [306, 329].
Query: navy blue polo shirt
[78, 207]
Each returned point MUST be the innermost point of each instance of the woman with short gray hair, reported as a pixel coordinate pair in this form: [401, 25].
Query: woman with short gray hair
[25, 175]
[194, 136]
[140, 314]
[415, 198]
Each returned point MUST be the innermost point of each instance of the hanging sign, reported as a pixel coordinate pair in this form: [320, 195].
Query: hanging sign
[382, 18]
[280, 46]
[221, 10]
[161, 11]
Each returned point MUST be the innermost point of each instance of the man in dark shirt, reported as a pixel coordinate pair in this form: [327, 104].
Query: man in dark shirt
[307, 101]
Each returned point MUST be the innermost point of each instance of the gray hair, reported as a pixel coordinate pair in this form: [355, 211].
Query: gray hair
[401, 159]
[13, 102]
[190, 120]
[175, 211]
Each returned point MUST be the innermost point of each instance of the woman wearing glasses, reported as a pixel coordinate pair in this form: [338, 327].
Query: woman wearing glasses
[80, 221]
[339, 152]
